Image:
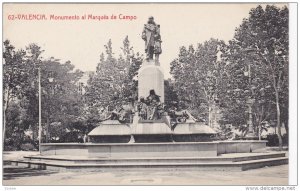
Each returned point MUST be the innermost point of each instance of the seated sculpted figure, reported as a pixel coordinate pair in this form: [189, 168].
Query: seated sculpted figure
[153, 102]
[150, 108]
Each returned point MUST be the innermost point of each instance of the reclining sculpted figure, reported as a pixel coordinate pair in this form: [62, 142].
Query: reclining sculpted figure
[181, 116]
[121, 113]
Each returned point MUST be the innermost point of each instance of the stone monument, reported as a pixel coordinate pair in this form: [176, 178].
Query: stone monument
[151, 121]
[150, 76]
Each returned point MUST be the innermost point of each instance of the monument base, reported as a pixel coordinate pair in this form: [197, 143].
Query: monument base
[214, 156]
[110, 131]
[153, 138]
[251, 136]
[152, 131]
[224, 162]
[193, 138]
[193, 132]
[138, 150]
[110, 139]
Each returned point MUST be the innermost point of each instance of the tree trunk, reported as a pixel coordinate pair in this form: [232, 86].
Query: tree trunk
[4, 117]
[278, 126]
[47, 129]
[210, 115]
[4, 125]
[286, 126]
[259, 132]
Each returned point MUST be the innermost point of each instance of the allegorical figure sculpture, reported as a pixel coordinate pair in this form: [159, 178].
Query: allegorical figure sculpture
[179, 116]
[152, 38]
[150, 108]
[122, 112]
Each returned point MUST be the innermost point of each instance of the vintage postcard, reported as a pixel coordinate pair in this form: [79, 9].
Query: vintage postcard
[148, 94]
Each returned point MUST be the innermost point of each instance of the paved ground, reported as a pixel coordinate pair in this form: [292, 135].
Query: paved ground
[277, 175]
[9, 155]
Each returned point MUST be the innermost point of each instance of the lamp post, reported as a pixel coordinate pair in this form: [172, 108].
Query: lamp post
[250, 133]
[250, 101]
[40, 108]
[50, 79]
[40, 105]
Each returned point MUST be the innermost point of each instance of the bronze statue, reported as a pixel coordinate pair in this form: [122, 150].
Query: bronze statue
[152, 38]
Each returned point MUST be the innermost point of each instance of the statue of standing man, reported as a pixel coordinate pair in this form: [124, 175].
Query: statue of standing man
[151, 36]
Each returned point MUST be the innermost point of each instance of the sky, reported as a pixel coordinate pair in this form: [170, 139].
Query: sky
[82, 41]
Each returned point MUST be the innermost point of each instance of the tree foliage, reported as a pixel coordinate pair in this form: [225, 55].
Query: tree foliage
[115, 79]
[251, 70]
[58, 89]
[199, 77]
[261, 42]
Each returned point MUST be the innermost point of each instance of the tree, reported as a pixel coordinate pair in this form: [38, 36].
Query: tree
[19, 75]
[265, 33]
[14, 77]
[199, 76]
[171, 97]
[105, 86]
[61, 101]
[115, 79]
[247, 86]
[134, 62]
[61, 98]
[16, 124]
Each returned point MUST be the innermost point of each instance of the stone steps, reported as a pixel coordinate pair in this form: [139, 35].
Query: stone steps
[220, 159]
[221, 163]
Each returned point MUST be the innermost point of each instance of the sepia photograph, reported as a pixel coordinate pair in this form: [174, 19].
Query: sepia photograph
[147, 94]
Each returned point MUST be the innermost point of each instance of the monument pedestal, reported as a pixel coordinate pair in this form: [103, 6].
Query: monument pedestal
[152, 131]
[151, 77]
[251, 136]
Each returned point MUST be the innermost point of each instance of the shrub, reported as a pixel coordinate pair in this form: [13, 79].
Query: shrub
[273, 140]
[28, 147]
[70, 137]
[11, 145]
